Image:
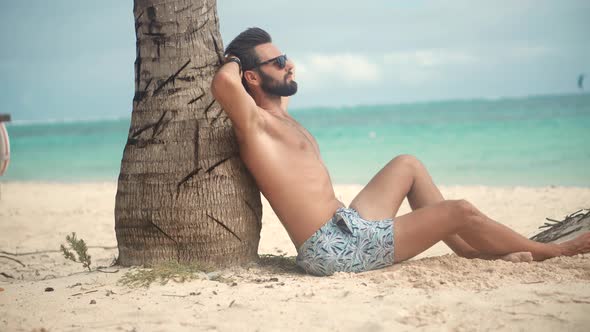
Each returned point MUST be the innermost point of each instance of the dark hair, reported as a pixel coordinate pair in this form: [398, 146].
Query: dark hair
[243, 47]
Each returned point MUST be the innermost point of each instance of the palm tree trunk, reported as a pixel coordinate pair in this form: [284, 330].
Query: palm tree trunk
[183, 193]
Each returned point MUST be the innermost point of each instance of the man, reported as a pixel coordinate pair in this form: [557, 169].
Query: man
[254, 86]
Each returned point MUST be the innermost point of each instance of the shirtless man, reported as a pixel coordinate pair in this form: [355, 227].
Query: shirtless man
[254, 86]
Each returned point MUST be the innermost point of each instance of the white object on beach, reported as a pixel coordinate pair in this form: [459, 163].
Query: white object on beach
[567, 229]
[4, 149]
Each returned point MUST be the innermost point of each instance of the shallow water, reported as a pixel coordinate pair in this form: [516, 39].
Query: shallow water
[533, 141]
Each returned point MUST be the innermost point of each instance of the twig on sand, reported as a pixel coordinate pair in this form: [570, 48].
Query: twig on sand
[88, 292]
[6, 275]
[13, 259]
[178, 295]
[50, 251]
[100, 269]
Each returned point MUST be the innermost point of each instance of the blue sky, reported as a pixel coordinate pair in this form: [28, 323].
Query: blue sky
[66, 59]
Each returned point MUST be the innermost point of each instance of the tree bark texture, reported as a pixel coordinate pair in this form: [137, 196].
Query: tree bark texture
[183, 192]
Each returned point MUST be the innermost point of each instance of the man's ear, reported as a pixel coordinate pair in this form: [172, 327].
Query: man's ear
[251, 77]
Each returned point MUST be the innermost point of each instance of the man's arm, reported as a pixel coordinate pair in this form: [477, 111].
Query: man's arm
[228, 90]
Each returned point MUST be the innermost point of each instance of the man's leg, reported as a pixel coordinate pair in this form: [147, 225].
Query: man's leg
[404, 176]
[466, 230]
[422, 228]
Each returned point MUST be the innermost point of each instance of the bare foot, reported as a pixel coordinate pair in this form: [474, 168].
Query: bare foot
[579, 245]
[518, 257]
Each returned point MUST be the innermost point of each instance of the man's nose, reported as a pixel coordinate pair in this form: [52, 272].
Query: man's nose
[290, 65]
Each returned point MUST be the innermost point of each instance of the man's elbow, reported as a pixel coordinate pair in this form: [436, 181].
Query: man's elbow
[218, 81]
[222, 81]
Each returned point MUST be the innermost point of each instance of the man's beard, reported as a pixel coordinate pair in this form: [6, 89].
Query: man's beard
[277, 88]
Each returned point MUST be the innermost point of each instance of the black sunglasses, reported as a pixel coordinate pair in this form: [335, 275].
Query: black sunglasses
[281, 61]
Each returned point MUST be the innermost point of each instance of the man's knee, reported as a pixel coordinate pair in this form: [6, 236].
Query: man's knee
[407, 161]
[463, 212]
[464, 207]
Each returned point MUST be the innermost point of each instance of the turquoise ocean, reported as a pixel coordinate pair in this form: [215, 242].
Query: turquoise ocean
[532, 141]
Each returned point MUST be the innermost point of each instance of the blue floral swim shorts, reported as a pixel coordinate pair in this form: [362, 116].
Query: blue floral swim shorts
[348, 243]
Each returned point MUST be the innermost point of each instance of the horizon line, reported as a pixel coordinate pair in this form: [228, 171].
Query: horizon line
[69, 120]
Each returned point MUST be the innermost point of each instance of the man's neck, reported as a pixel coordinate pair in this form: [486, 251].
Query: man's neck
[272, 104]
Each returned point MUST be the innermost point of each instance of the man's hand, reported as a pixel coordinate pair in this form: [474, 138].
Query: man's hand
[234, 59]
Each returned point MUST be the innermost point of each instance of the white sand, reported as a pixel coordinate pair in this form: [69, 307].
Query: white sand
[427, 293]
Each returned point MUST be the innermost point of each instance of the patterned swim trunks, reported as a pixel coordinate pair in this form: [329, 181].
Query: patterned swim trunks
[348, 243]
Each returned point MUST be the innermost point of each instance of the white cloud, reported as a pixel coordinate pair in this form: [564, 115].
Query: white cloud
[532, 51]
[405, 68]
[416, 67]
[408, 68]
[430, 58]
[353, 68]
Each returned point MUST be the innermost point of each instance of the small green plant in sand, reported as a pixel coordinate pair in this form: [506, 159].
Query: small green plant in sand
[79, 248]
[164, 272]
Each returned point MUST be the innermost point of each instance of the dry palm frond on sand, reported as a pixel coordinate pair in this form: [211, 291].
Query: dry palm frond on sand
[566, 229]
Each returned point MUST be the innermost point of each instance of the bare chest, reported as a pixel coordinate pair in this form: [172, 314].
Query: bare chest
[294, 135]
